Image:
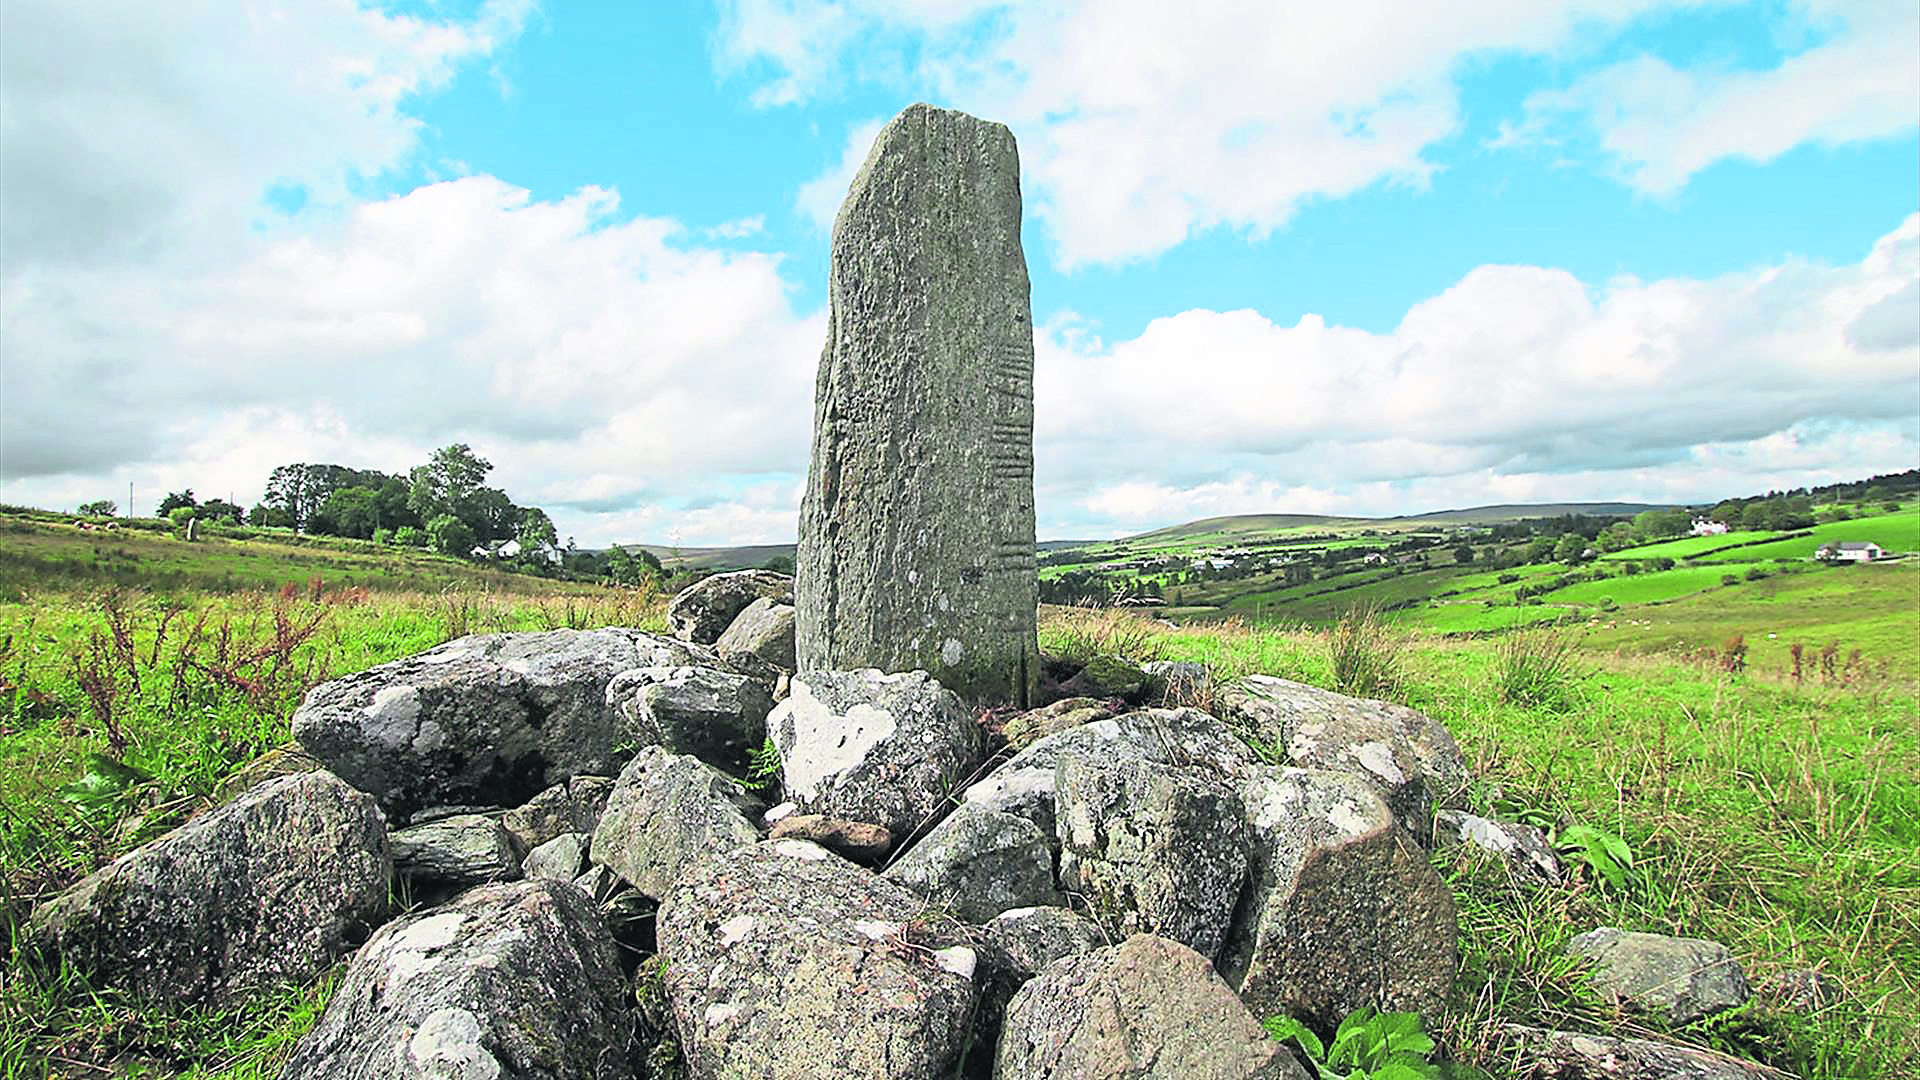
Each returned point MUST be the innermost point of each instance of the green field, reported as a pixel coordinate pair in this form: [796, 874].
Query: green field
[1772, 811]
[1688, 547]
[36, 556]
[1895, 533]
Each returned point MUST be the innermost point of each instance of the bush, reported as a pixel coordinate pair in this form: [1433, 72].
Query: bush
[1757, 573]
[1364, 654]
[1536, 668]
[180, 515]
[410, 536]
[1729, 579]
[451, 536]
[383, 537]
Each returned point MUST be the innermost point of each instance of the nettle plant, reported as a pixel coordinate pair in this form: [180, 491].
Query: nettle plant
[1369, 1045]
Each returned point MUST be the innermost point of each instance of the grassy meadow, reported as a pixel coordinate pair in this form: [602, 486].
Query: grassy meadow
[1778, 815]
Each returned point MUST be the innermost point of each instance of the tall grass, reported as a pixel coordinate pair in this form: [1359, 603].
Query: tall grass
[1365, 654]
[1536, 667]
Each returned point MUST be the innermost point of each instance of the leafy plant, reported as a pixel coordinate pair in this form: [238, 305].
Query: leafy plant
[1606, 855]
[104, 789]
[763, 766]
[1369, 1045]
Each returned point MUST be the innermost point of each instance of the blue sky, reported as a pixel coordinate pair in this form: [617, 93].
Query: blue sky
[1367, 258]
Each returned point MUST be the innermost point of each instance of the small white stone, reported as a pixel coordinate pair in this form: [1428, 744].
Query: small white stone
[800, 849]
[779, 812]
[736, 929]
[876, 929]
[720, 1014]
[959, 960]
[951, 651]
[1377, 758]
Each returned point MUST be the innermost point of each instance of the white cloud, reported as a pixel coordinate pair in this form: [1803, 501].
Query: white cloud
[594, 360]
[139, 133]
[1143, 122]
[1517, 379]
[819, 198]
[1662, 124]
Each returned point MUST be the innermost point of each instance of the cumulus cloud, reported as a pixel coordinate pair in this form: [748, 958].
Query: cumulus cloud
[1661, 124]
[595, 358]
[129, 134]
[1144, 122]
[166, 325]
[1525, 373]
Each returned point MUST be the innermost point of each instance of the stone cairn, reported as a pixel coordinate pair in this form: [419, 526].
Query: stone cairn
[592, 885]
[916, 533]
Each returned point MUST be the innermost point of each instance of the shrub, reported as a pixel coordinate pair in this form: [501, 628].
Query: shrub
[410, 536]
[383, 537]
[451, 536]
[1536, 668]
[1729, 579]
[1364, 654]
[180, 515]
[1757, 573]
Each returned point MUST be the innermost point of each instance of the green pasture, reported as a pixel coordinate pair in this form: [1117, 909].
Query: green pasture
[37, 556]
[1895, 533]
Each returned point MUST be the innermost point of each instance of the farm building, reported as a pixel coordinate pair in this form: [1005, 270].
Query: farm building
[1708, 527]
[1849, 551]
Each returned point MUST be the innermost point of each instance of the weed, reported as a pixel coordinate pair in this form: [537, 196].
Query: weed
[1536, 668]
[1373, 1045]
[1733, 655]
[1364, 654]
[1080, 633]
[1606, 856]
[763, 766]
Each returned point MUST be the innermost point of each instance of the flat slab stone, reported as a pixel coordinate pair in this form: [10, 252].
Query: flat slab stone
[1682, 979]
[916, 546]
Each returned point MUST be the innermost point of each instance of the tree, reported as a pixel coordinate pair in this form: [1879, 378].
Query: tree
[269, 517]
[1463, 553]
[450, 536]
[1660, 524]
[1756, 515]
[100, 508]
[446, 481]
[1617, 537]
[537, 536]
[490, 514]
[349, 511]
[1570, 547]
[220, 510]
[175, 500]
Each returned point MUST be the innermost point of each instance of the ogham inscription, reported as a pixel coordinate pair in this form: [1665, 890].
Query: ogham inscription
[917, 530]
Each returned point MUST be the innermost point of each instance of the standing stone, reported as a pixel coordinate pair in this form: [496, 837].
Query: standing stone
[916, 533]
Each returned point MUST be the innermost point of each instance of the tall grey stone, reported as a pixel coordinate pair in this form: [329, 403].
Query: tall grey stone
[916, 534]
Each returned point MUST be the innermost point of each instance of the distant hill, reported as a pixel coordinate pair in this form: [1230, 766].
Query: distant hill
[715, 558]
[1243, 524]
[1493, 515]
[1225, 528]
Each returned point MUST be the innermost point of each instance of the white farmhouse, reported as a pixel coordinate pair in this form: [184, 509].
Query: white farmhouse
[1708, 527]
[1849, 551]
